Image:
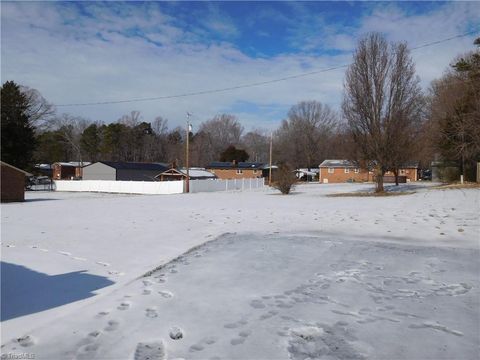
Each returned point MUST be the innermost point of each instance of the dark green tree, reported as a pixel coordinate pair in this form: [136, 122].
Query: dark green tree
[231, 153]
[90, 142]
[18, 131]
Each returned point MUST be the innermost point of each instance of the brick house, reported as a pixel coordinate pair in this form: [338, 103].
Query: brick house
[409, 170]
[12, 183]
[68, 170]
[234, 170]
[340, 171]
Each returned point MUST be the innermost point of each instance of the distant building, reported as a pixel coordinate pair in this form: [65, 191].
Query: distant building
[12, 183]
[68, 170]
[410, 171]
[234, 170]
[181, 174]
[339, 171]
[123, 171]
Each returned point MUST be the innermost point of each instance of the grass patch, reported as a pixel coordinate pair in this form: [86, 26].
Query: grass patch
[372, 194]
[465, 185]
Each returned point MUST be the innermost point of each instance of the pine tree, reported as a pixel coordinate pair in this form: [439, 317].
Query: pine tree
[18, 133]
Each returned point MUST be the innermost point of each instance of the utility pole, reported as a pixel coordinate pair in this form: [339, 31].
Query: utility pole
[189, 128]
[270, 166]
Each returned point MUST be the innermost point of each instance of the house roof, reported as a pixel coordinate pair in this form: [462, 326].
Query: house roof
[231, 165]
[15, 168]
[192, 172]
[198, 172]
[352, 164]
[338, 164]
[118, 165]
[73, 163]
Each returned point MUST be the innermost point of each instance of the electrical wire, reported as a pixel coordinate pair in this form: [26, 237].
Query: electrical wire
[249, 85]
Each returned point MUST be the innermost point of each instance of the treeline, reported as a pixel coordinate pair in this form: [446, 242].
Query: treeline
[385, 117]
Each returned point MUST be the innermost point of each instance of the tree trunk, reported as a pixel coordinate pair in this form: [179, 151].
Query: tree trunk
[379, 179]
[395, 172]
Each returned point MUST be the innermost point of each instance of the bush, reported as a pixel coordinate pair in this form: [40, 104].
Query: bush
[285, 179]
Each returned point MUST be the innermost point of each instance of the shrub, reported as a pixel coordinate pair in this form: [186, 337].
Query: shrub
[285, 179]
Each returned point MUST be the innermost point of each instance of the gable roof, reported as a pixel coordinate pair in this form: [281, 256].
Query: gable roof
[192, 173]
[338, 164]
[119, 165]
[231, 165]
[352, 164]
[15, 168]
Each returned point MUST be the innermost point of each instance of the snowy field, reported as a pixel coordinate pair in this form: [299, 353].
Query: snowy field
[243, 275]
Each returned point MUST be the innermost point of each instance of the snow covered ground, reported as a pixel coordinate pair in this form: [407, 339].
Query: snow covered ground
[280, 276]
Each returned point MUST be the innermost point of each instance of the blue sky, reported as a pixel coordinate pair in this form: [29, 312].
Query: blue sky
[78, 52]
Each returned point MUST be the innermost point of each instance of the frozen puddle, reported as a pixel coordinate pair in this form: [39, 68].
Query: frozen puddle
[281, 297]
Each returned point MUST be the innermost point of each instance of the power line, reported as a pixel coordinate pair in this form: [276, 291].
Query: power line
[259, 83]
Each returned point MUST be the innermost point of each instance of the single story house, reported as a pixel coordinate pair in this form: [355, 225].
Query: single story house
[410, 171]
[181, 174]
[68, 170]
[340, 171]
[123, 171]
[236, 170]
[12, 183]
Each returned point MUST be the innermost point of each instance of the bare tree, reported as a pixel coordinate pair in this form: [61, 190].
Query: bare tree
[70, 128]
[382, 98]
[218, 133]
[256, 143]
[455, 113]
[39, 111]
[303, 138]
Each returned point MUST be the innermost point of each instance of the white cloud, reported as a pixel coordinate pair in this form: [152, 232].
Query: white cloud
[101, 58]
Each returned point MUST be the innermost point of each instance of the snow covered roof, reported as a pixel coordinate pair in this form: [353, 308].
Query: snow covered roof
[71, 163]
[119, 165]
[197, 172]
[352, 164]
[231, 165]
[338, 164]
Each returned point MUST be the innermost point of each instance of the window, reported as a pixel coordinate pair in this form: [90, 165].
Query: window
[357, 171]
[330, 170]
[402, 172]
[254, 171]
[347, 170]
[239, 171]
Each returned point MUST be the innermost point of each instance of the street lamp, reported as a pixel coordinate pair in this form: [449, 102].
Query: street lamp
[189, 128]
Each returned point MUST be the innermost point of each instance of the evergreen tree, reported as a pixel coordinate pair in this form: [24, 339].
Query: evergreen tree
[18, 132]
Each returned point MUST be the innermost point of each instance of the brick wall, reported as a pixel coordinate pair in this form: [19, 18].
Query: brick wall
[340, 176]
[232, 173]
[12, 184]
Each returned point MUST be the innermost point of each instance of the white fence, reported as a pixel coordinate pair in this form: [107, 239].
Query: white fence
[123, 187]
[157, 187]
[226, 185]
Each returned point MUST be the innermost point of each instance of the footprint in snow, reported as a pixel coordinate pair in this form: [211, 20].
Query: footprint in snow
[153, 350]
[102, 263]
[25, 341]
[112, 325]
[166, 294]
[257, 304]
[146, 291]
[78, 258]
[102, 314]
[87, 352]
[151, 312]
[176, 333]
[66, 253]
[124, 306]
